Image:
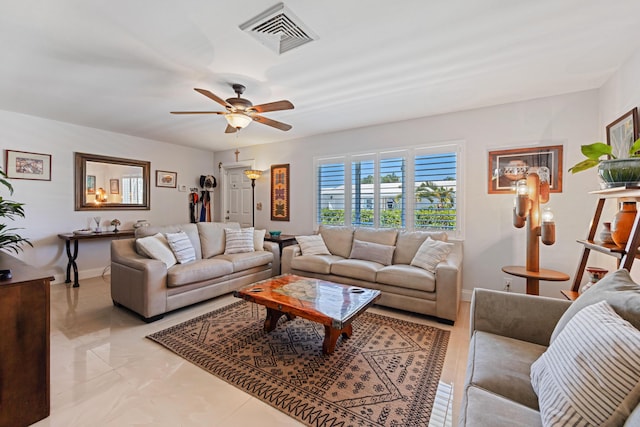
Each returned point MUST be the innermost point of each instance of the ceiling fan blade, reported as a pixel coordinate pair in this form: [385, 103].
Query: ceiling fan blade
[198, 112]
[210, 95]
[272, 106]
[272, 123]
[230, 129]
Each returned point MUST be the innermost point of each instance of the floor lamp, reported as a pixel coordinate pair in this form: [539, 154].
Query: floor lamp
[253, 175]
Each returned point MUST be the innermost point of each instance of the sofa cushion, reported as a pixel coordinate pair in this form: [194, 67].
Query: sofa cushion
[620, 292]
[383, 236]
[356, 269]
[369, 251]
[247, 260]
[258, 239]
[190, 229]
[338, 239]
[156, 247]
[408, 243]
[212, 237]
[590, 374]
[430, 253]
[181, 246]
[314, 263]
[483, 408]
[502, 365]
[238, 241]
[198, 271]
[312, 245]
[406, 276]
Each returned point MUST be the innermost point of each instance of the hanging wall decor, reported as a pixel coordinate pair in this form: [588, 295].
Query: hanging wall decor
[280, 192]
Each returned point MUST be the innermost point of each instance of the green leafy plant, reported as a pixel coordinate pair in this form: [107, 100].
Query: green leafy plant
[9, 209]
[595, 151]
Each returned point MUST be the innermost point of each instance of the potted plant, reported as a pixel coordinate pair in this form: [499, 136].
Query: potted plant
[613, 171]
[115, 223]
[9, 241]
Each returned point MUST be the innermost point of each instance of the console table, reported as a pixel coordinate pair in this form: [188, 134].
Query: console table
[282, 240]
[24, 328]
[71, 237]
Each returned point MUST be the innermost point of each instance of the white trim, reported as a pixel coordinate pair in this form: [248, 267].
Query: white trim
[244, 164]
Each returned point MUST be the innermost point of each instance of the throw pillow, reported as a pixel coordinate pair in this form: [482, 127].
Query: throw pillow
[156, 247]
[590, 375]
[620, 292]
[312, 245]
[181, 246]
[238, 241]
[430, 253]
[369, 251]
[258, 239]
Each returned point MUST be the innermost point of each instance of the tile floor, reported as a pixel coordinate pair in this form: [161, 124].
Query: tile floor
[104, 372]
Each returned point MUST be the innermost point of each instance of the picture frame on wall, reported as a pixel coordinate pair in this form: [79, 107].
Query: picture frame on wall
[166, 179]
[506, 167]
[622, 133]
[91, 184]
[25, 165]
[114, 186]
[280, 192]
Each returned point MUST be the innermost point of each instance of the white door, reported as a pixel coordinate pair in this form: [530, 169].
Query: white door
[238, 197]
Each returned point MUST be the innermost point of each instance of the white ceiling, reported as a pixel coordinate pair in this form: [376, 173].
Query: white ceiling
[122, 66]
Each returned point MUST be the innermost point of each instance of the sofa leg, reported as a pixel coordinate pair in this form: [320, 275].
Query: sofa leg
[153, 318]
[446, 321]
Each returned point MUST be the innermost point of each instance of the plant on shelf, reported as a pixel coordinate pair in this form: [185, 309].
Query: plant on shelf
[613, 171]
[9, 241]
[115, 223]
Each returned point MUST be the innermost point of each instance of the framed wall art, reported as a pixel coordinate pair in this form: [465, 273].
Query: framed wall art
[114, 186]
[166, 179]
[506, 167]
[24, 165]
[91, 184]
[280, 192]
[622, 133]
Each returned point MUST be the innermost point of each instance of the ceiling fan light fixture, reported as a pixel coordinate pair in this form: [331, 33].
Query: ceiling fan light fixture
[238, 120]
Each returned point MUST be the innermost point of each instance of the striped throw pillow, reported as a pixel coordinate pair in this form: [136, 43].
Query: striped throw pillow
[430, 253]
[181, 246]
[590, 374]
[312, 245]
[238, 241]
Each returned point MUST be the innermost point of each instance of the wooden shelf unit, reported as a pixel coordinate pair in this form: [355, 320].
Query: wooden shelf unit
[625, 256]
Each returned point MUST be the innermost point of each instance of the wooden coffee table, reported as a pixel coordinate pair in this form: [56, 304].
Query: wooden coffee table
[330, 304]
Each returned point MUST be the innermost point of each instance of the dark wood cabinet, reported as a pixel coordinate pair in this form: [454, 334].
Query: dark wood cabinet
[24, 344]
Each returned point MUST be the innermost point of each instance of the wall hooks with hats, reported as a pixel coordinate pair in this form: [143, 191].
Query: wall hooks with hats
[208, 182]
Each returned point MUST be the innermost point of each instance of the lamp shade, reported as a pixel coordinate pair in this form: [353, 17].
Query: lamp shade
[253, 174]
[238, 120]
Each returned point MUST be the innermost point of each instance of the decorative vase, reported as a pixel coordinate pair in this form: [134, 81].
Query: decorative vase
[595, 274]
[622, 223]
[605, 233]
[619, 172]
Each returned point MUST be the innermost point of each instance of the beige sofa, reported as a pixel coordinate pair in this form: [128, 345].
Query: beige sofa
[403, 286]
[150, 289]
[510, 332]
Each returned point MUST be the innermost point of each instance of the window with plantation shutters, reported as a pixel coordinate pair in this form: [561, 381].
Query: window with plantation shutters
[413, 188]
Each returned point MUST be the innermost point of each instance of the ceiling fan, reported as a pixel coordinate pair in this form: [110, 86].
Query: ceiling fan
[240, 112]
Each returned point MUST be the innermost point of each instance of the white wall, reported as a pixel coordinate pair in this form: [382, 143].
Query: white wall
[490, 239]
[616, 97]
[50, 204]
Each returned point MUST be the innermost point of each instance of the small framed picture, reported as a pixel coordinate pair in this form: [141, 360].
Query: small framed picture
[166, 179]
[506, 167]
[23, 165]
[622, 133]
[91, 184]
[114, 186]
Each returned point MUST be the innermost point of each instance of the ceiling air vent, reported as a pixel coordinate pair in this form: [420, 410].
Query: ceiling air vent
[279, 29]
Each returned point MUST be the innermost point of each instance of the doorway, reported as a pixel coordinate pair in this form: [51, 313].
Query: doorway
[237, 195]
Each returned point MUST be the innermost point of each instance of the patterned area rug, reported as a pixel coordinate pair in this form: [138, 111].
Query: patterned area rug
[386, 374]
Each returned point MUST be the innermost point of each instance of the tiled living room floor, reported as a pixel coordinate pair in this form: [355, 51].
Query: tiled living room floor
[104, 372]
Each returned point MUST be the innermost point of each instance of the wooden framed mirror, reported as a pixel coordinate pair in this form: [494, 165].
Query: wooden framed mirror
[111, 183]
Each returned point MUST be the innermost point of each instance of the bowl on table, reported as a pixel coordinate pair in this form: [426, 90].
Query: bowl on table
[275, 234]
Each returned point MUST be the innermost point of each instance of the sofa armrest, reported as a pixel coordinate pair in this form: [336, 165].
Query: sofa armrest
[274, 248]
[529, 318]
[288, 253]
[449, 284]
[137, 282]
